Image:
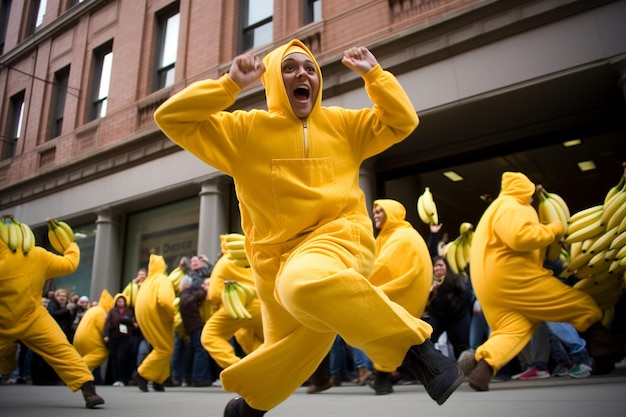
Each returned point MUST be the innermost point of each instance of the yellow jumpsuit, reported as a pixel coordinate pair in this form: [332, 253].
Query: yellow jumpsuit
[154, 311]
[309, 237]
[514, 290]
[88, 339]
[23, 317]
[221, 327]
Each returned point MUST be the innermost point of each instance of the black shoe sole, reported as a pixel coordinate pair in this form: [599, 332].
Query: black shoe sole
[457, 382]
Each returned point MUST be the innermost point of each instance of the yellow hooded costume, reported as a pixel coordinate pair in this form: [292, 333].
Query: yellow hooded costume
[309, 238]
[515, 291]
[403, 268]
[221, 327]
[88, 339]
[23, 317]
[154, 312]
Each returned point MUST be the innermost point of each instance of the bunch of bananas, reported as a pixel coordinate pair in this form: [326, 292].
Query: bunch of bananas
[60, 235]
[175, 277]
[457, 252]
[426, 208]
[16, 235]
[236, 251]
[236, 297]
[552, 208]
[597, 239]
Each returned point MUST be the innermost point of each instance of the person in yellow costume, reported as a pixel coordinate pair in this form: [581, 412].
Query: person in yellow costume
[221, 327]
[154, 311]
[309, 238]
[515, 291]
[23, 317]
[88, 339]
[403, 269]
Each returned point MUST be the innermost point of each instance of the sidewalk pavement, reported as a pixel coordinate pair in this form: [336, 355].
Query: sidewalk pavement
[596, 396]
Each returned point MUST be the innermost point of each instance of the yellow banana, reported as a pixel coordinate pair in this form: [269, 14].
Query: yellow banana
[618, 241]
[575, 249]
[15, 236]
[226, 300]
[461, 262]
[615, 189]
[429, 206]
[237, 254]
[590, 211]
[421, 211]
[450, 254]
[617, 217]
[465, 228]
[235, 245]
[553, 253]
[611, 207]
[607, 316]
[587, 243]
[234, 237]
[622, 225]
[587, 232]
[621, 253]
[560, 202]
[241, 263]
[583, 222]
[28, 238]
[243, 300]
[66, 227]
[615, 267]
[578, 262]
[603, 241]
[4, 230]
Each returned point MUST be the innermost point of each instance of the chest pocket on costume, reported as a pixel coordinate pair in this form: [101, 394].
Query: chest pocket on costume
[298, 186]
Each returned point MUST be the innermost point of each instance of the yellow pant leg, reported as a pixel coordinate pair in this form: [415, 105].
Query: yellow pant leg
[320, 291]
[8, 358]
[514, 309]
[156, 365]
[95, 358]
[45, 337]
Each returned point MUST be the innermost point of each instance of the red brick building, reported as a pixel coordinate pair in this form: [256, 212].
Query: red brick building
[498, 86]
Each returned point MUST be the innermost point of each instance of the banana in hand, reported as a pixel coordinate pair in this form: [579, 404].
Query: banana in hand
[60, 235]
[426, 207]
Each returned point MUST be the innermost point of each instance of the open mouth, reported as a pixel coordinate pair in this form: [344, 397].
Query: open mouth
[302, 93]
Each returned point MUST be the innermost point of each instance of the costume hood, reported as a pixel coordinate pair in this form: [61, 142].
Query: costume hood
[395, 212]
[518, 186]
[156, 266]
[272, 78]
[106, 301]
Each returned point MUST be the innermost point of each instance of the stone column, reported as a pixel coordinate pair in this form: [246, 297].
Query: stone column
[107, 256]
[213, 221]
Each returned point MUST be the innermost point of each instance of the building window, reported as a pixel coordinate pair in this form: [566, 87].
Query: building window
[36, 11]
[14, 126]
[59, 92]
[257, 28]
[5, 11]
[312, 11]
[167, 43]
[103, 61]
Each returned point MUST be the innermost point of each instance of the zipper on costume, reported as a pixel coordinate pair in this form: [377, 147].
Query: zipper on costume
[306, 138]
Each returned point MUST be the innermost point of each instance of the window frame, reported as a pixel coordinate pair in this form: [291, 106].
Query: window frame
[246, 38]
[162, 73]
[15, 122]
[57, 101]
[98, 104]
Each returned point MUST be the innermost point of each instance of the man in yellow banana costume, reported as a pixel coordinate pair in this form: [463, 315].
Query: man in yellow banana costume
[309, 238]
[221, 327]
[88, 339]
[23, 317]
[403, 269]
[154, 311]
[515, 291]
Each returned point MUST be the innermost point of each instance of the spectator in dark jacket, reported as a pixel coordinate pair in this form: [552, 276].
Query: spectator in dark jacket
[119, 328]
[192, 296]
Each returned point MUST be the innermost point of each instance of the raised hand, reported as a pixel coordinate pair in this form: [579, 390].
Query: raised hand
[246, 69]
[359, 59]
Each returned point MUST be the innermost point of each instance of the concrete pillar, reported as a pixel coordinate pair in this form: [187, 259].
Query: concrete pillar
[213, 221]
[367, 181]
[107, 257]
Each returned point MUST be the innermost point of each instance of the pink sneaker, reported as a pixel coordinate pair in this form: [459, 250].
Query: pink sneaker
[533, 373]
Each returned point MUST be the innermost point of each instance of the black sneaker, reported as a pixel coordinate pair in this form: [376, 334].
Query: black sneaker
[237, 407]
[440, 375]
[158, 387]
[381, 383]
[142, 383]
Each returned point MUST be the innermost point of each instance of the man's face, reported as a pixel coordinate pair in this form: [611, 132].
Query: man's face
[379, 217]
[302, 83]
